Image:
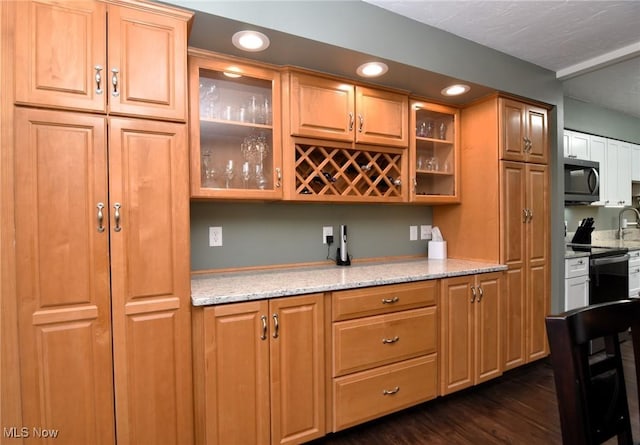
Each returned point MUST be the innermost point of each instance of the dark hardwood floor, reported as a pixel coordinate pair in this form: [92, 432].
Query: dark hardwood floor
[518, 408]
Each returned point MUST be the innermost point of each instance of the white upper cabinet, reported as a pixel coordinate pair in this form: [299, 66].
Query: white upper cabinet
[576, 145]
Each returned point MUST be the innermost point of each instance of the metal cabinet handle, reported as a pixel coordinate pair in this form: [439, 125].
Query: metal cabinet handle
[389, 392]
[116, 217]
[361, 123]
[278, 177]
[264, 327]
[98, 68]
[524, 215]
[350, 121]
[390, 300]
[481, 293]
[114, 82]
[473, 294]
[100, 207]
[387, 341]
[276, 326]
[530, 215]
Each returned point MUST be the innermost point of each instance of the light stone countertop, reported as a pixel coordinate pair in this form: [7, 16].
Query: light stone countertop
[209, 289]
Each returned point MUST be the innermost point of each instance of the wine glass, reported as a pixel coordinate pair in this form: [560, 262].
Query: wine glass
[228, 172]
[261, 180]
[209, 172]
[209, 96]
[246, 174]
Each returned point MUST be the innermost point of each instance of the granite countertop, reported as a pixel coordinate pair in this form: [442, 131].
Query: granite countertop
[616, 243]
[221, 288]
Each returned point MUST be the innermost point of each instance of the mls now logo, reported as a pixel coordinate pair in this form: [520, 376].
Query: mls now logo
[15, 432]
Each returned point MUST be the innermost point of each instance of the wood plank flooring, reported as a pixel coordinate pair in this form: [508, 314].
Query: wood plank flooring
[518, 408]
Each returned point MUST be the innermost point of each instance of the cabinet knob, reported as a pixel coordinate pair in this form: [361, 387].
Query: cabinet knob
[98, 78]
[100, 217]
[114, 82]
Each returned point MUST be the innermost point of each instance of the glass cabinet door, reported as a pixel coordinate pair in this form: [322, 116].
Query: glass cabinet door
[434, 153]
[236, 144]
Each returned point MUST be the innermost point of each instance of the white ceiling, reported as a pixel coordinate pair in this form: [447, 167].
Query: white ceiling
[593, 46]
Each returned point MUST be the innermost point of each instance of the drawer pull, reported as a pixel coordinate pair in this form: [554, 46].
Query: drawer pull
[390, 392]
[387, 341]
[390, 300]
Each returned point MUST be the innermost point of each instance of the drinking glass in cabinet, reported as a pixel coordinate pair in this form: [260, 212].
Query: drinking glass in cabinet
[236, 133]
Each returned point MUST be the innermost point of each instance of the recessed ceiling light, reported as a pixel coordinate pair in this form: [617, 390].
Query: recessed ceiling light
[250, 41]
[372, 69]
[455, 90]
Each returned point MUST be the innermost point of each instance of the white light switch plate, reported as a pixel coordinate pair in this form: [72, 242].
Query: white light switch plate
[215, 236]
[425, 232]
[413, 233]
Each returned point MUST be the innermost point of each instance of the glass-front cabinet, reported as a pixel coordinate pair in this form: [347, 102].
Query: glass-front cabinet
[236, 147]
[434, 153]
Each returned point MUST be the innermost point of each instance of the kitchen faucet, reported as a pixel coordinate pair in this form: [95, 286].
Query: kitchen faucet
[637, 223]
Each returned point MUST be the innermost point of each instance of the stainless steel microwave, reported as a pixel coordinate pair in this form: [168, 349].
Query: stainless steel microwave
[581, 181]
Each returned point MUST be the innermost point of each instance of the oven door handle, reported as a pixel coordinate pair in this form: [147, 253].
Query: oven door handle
[609, 260]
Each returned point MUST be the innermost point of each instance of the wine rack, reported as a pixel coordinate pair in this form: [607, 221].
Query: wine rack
[330, 173]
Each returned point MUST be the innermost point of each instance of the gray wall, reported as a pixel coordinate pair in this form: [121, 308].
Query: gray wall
[589, 118]
[256, 234]
[358, 26]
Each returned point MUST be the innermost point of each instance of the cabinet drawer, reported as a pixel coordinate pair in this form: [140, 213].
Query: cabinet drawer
[383, 299]
[374, 341]
[370, 394]
[575, 267]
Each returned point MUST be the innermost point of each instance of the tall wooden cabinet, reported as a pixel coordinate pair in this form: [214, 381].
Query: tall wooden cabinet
[102, 280]
[259, 371]
[508, 203]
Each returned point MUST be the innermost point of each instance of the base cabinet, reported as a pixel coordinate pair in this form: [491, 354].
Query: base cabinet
[259, 371]
[384, 342]
[471, 330]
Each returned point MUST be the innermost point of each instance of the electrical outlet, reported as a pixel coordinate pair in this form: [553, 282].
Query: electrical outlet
[413, 233]
[425, 232]
[326, 231]
[215, 236]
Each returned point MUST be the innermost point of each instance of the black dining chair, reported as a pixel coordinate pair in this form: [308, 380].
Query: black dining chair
[590, 389]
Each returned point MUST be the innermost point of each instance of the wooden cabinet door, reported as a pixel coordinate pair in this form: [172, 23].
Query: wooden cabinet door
[512, 130]
[297, 369]
[58, 47]
[62, 281]
[149, 53]
[487, 322]
[381, 117]
[149, 209]
[513, 254]
[235, 379]
[538, 259]
[537, 134]
[457, 334]
[321, 108]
